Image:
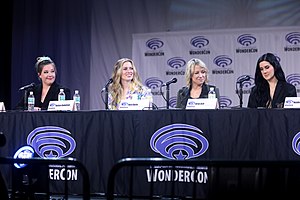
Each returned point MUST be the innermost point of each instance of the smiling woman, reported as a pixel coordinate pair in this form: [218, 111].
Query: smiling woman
[48, 88]
[126, 84]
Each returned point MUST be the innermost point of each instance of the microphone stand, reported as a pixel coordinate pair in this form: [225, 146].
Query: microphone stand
[168, 95]
[25, 99]
[241, 94]
[106, 97]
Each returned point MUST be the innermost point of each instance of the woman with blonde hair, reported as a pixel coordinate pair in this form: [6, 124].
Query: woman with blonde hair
[196, 76]
[126, 84]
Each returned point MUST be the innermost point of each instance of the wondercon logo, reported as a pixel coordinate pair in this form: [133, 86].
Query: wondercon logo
[247, 83]
[51, 142]
[246, 39]
[176, 62]
[199, 41]
[124, 104]
[295, 143]
[153, 82]
[23, 153]
[179, 142]
[172, 102]
[293, 79]
[293, 38]
[154, 43]
[192, 103]
[224, 102]
[222, 61]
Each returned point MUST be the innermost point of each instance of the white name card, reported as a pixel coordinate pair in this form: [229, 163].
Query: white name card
[143, 104]
[202, 103]
[292, 102]
[67, 105]
[2, 107]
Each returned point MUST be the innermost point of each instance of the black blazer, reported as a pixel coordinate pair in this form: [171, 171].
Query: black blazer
[52, 95]
[282, 90]
[184, 94]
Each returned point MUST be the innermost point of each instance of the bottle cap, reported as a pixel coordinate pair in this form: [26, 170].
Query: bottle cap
[61, 89]
[76, 91]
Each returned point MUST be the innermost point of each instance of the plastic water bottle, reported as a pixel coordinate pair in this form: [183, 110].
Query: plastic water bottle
[61, 95]
[76, 98]
[150, 98]
[212, 93]
[31, 101]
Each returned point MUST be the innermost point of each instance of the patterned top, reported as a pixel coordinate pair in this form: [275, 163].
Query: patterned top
[136, 93]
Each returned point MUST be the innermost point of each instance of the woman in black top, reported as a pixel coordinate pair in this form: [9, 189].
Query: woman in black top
[270, 87]
[196, 75]
[48, 89]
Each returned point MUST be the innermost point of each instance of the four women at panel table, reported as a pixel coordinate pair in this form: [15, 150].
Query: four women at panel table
[47, 90]
[270, 87]
[269, 91]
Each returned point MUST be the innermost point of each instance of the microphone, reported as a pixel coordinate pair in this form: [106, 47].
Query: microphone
[108, 82]
[245, 78]
[27, 86]
[174, 80]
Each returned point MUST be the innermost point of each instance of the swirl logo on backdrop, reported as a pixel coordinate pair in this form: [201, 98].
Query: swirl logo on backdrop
[176, 62]
[155, 45]
[51, 142]
[293, 41]
[225, 102]
[176, 66]
[179, 142]
[172, 102]
[247, 41]
[224, 62]
[154, 83]
[294, 79]
[246, 85]
[199, 42]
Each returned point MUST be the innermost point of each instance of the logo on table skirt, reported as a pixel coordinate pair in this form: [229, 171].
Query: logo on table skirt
[296, 143]
[51, 142]
[179, 142]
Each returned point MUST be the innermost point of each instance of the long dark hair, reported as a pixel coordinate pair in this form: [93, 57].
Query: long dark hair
[262, 84]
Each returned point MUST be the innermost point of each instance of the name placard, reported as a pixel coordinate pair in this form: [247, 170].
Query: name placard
[202, 103]
[291, 102]
[143, 104]
[2, 107]
[67, 105]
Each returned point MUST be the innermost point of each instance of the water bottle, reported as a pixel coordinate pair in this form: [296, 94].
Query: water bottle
[76, 98]
[150, 98]
[61, 95]
[31, 101]
[212, 93]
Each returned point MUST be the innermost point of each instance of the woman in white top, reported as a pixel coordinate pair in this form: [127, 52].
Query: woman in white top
[126, 84]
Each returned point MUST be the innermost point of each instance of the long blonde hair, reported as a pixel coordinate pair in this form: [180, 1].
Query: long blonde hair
[116, 88]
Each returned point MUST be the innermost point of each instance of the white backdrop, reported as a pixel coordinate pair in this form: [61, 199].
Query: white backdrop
[230, 54]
